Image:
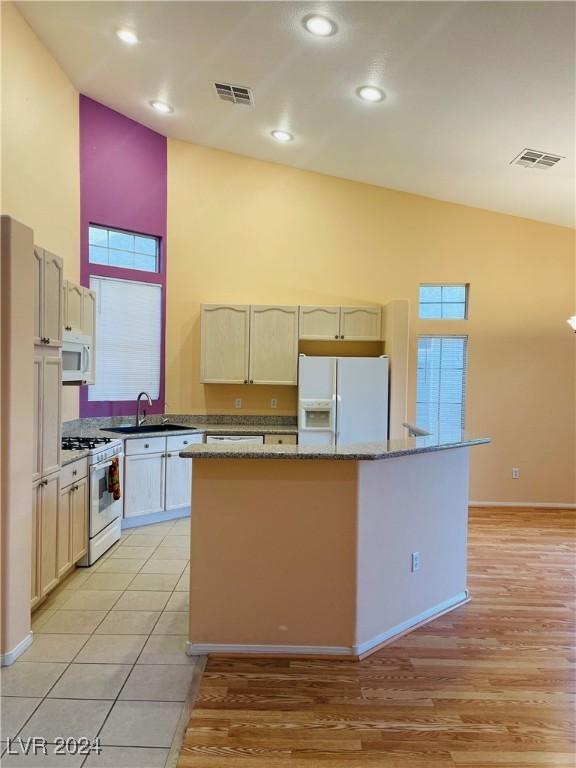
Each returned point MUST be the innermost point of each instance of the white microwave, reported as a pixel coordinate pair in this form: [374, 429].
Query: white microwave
[76, 357]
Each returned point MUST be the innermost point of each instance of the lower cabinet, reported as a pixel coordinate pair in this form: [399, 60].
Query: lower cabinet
[59, 527]
[156, 479]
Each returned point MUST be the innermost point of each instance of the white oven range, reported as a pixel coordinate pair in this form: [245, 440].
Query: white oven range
[104, 512]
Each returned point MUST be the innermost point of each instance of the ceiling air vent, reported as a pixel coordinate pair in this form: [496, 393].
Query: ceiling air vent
[531, 158]
[237, 94]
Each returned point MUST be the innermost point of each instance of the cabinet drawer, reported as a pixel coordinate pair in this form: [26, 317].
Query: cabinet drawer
[280, 439]
[145, 445]
[179, 442]
[71, 473]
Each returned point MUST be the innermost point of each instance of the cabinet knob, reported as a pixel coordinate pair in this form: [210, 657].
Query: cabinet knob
[341, 337]
[74, 472]
[245, 381]
[280, 442]
[251, 381]
[185, 442]
[168, 455]
[336, 336]
[146, 445]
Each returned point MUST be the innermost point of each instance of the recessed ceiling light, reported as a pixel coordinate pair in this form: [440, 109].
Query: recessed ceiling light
[282, 135]
[127, 36]
[161, 106]
[370, 93]
[321, 26]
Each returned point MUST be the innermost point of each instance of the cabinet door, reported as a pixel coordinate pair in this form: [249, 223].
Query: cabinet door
[273, 345]
[50, 496]
[35, 560]
[89, 328]
[73, 308]
[143, 484]
[360, 323]
[178, 481]
[51, 413]
[319, 323]
[79, 520]
[225, 331]
[52, 292]
[36, 420]
[37, 288]
[64, 545]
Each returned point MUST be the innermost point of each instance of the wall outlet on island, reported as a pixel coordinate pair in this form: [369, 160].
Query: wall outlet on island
[273, 403]
[515, 473]
[238, 402]
[415, 561]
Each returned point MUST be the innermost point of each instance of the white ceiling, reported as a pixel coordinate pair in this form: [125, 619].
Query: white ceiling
[469, 85]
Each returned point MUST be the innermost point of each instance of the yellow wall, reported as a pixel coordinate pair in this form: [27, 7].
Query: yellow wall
[40, 149]
[245, 231]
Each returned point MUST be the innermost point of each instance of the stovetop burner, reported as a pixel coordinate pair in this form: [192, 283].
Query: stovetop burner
[83, 443]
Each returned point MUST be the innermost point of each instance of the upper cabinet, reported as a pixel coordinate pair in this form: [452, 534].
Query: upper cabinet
[343, 323]
[73, 298]
[320, 323]
[273, 345]
[88, 312]
[48, 298]
[360, 323]
[242, 344]
[225, 330]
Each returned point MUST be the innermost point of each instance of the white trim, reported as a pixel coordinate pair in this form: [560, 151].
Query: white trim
[525, 504]
[10, 656]
[155, 517]
[202, 649]
[399, 629]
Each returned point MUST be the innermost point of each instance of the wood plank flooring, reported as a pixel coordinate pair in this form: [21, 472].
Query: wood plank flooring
[490, 684]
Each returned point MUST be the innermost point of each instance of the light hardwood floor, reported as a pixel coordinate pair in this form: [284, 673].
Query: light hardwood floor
[490, 684]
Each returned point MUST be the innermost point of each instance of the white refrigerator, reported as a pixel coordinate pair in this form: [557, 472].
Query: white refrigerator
[342, 400]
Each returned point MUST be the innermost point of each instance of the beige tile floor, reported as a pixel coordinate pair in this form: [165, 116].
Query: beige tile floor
[108, 657]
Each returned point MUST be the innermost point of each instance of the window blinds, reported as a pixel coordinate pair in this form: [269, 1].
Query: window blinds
[441, 385]
[128, 339]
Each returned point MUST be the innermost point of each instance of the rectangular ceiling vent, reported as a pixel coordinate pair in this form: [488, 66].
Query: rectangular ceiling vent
[531, 158]
[237, 94]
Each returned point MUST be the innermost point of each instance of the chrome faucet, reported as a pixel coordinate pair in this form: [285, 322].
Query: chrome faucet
[140, 421]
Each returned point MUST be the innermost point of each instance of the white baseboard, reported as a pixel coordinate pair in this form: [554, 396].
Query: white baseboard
[522, 504]
[203, 649]
[10, 656]
[400, 629]
[156, 517]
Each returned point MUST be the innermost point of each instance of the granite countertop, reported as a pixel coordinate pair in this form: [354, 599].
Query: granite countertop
[67, 457]
[355, 452]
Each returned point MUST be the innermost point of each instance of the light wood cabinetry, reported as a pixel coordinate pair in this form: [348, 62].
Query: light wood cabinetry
[79, 520]
[242, 344]
[156, 478]
[73, 299]
[48, 532]
[35, 555]
[273, 345]
[321, 323]
[88, 312]
[50, 413]
[280, 439]
[360, 323]
[343, 323]
[64, 544]
[36, 418]
[37, 293]
[225, 333]
[51, 300]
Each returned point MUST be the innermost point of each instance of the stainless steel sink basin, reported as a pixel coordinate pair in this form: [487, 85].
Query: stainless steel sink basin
[134, 430]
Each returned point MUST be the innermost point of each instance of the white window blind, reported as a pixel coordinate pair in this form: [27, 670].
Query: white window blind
[128, 339]
[441, 385]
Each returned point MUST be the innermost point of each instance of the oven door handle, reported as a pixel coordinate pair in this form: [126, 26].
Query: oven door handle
[101, 466]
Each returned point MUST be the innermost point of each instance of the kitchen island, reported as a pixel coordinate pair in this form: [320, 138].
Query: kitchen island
[303, 550]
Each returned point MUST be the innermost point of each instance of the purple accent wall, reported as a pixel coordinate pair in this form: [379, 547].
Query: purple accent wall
[123, 184]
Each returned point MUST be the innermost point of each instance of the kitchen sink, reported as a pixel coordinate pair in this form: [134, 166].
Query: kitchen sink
[134, 430]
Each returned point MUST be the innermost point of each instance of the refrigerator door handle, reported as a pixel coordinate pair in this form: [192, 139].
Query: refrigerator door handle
[338, 410]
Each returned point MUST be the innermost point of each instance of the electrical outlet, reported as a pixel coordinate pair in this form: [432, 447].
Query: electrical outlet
[238, 402]
[273, 403]
[515, 473]
[415, 561]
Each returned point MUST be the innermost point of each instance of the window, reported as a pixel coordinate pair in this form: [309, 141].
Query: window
[129, 339]
[443, 302]
[128, 250]
[441, 385]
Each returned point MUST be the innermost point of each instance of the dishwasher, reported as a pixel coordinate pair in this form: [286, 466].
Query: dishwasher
[236, 439]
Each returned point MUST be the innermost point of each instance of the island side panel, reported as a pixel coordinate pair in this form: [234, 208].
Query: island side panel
[273, 555]
[412, 504]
